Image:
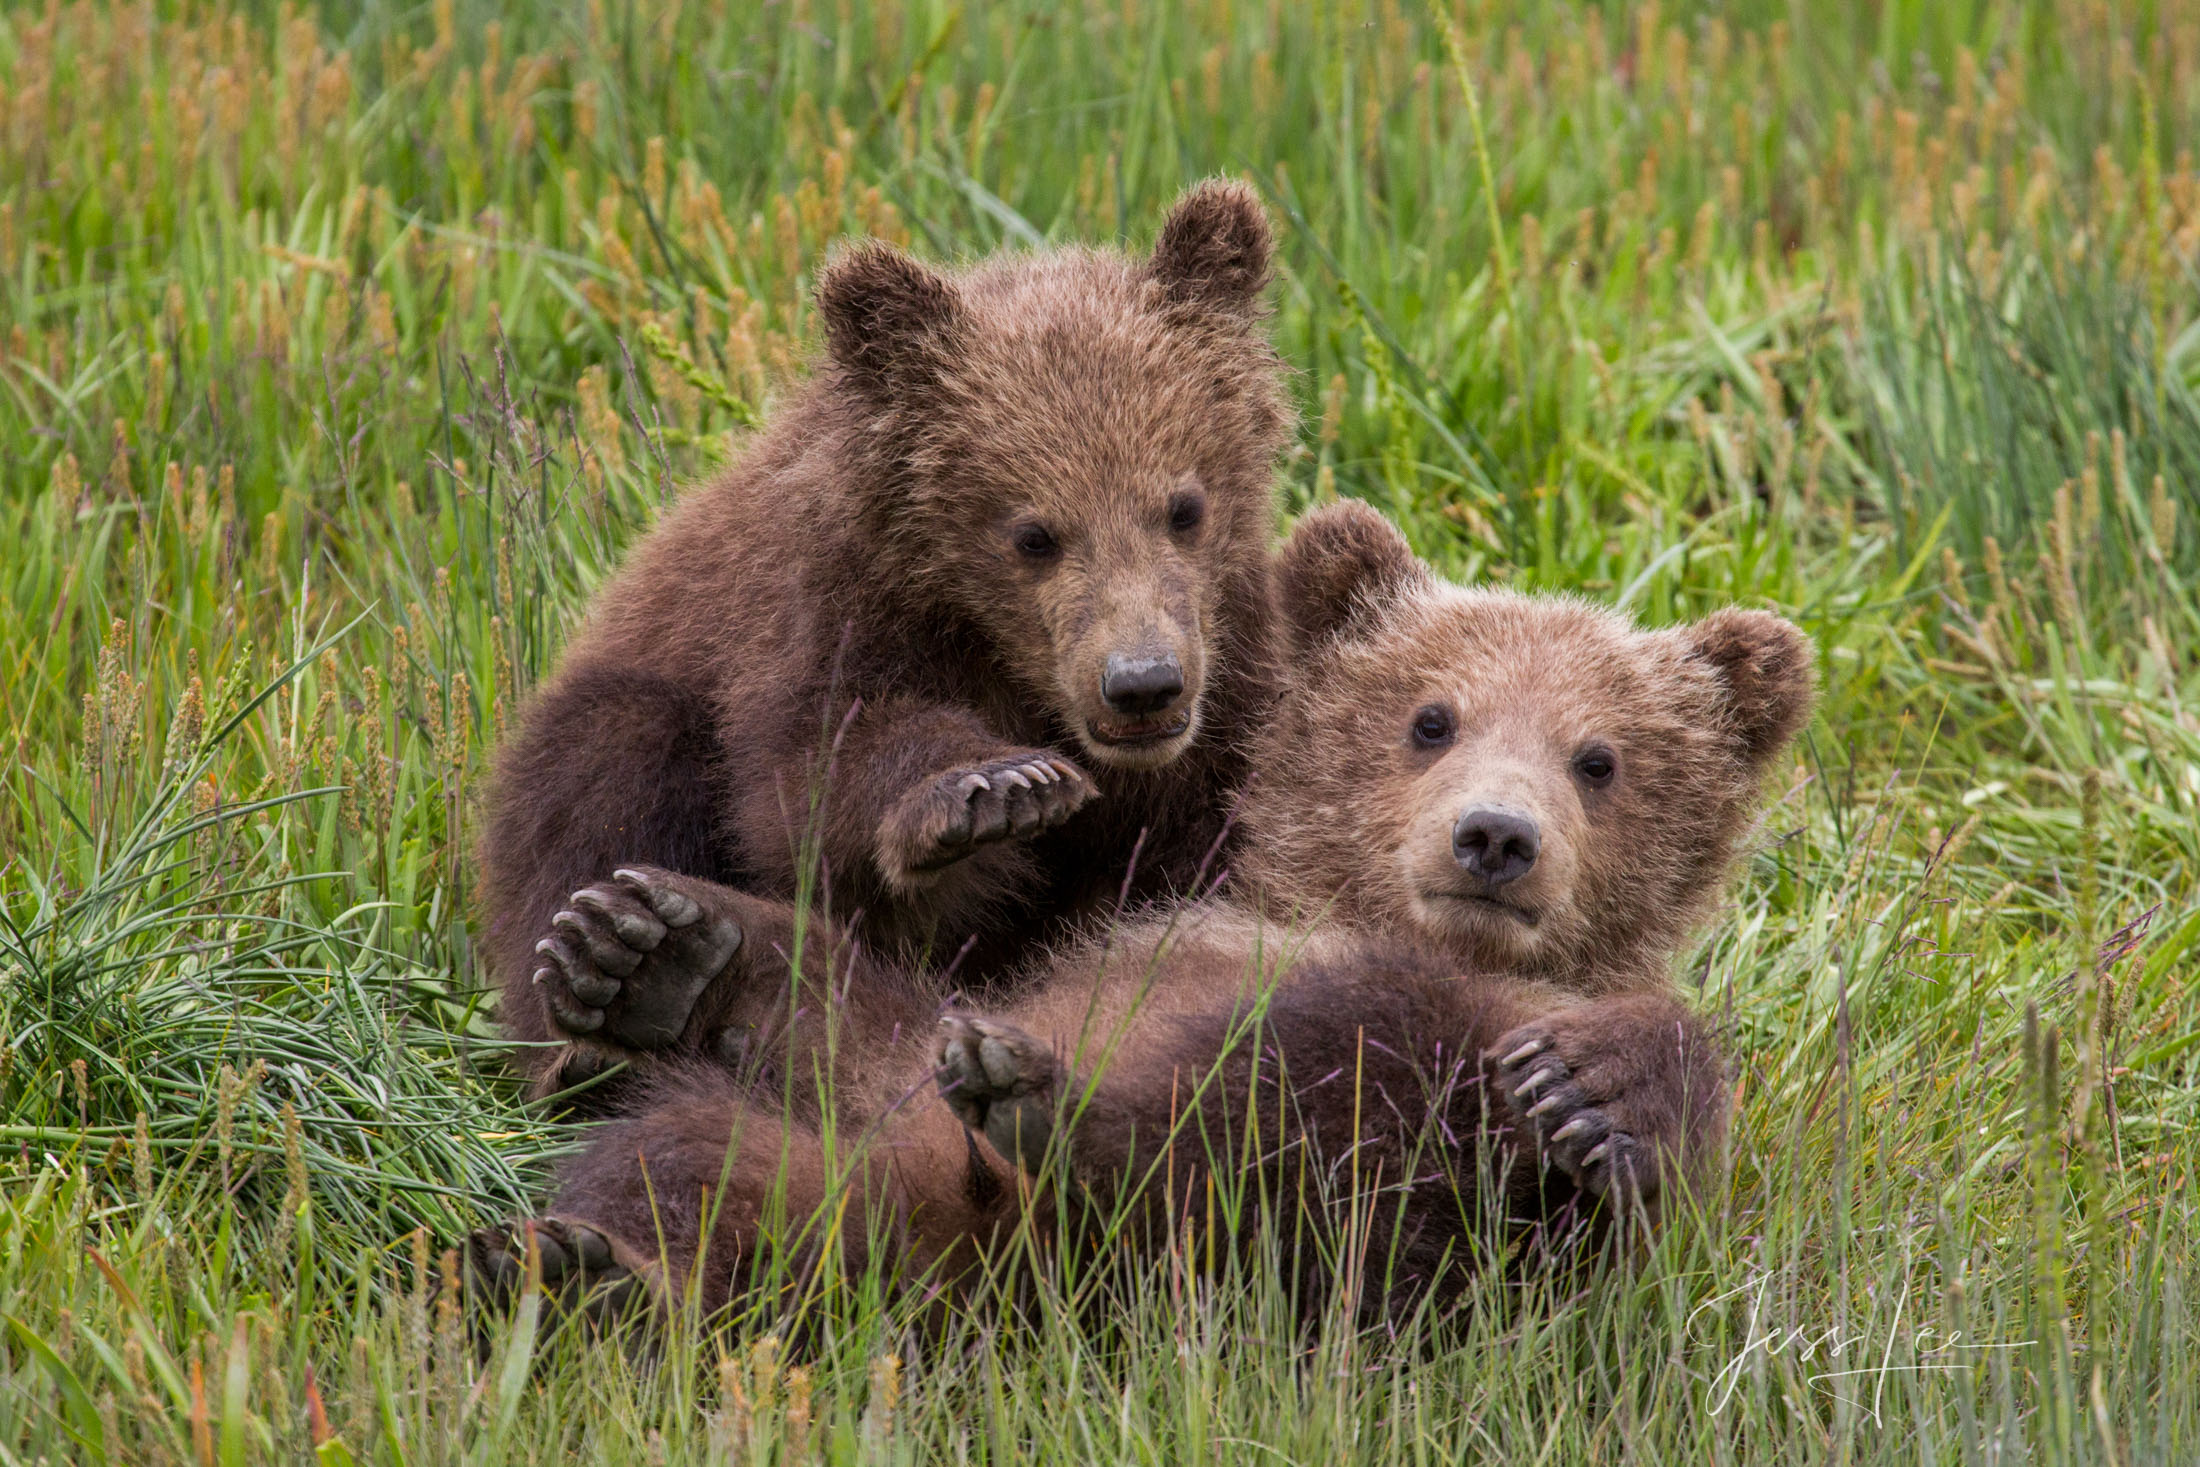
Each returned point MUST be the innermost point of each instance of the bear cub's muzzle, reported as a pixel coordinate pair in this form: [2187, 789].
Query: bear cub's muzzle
[1144, 693]
[1495, 846]
[1141, 684]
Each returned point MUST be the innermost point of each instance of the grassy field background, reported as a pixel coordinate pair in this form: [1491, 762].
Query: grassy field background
[342, 349]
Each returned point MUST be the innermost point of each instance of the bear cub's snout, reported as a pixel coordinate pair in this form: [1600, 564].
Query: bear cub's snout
[1142, 684]
[1495, 846]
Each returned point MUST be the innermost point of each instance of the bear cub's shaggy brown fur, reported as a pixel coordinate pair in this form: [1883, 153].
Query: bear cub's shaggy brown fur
[1482, 823]
[1004, 559]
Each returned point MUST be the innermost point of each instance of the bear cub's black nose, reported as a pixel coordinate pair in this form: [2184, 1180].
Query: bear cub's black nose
[1496, 845]
[1136, 684]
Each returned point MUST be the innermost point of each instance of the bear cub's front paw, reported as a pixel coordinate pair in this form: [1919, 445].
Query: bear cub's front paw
[1000, 1082]
[627, 958]
[952, 814]
[1619, 1100]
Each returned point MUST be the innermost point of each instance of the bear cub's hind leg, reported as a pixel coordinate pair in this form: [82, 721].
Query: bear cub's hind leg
[582, 1271]
[628, 958]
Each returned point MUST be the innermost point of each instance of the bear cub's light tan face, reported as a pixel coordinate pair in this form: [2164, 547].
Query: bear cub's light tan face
[1529, 782]
[1525, 745]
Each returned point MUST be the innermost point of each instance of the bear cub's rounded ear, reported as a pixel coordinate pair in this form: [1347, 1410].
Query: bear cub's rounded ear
[1215, 249]
[1341, 563]
[888, 319]
[1770, 673]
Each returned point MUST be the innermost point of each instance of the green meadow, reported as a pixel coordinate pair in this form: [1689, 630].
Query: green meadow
[344, 347]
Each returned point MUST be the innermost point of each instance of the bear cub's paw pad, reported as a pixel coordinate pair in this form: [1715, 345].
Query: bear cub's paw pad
[579, 1269]
[1579, 1138]
[999, 1081]
[627, 958]
[951, 814]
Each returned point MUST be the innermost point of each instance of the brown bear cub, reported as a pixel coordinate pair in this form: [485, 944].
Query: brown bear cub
[1482, 823]
[1004, 558]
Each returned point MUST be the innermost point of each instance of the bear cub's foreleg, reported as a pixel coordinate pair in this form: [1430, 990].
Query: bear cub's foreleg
[1001, 1083]
[949, 815]
[1624, 1095]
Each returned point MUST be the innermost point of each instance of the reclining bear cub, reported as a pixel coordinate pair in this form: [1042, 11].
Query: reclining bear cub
[1481, 826]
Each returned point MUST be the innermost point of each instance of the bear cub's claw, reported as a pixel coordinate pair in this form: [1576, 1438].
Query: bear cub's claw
[627, 958]
[954, 813]
[1000, 1082]
[579, 1270]
[1578, 1133]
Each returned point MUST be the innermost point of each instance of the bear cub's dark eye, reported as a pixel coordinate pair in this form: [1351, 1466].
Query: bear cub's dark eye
[1595, 766]
[1433, 726]
[1186, 513]
[1035, 542]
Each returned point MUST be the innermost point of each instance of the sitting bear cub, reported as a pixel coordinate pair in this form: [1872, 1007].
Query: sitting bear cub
[1481, 824]
[979, 616]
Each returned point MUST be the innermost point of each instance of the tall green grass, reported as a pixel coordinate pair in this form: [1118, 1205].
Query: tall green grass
[342, 351]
